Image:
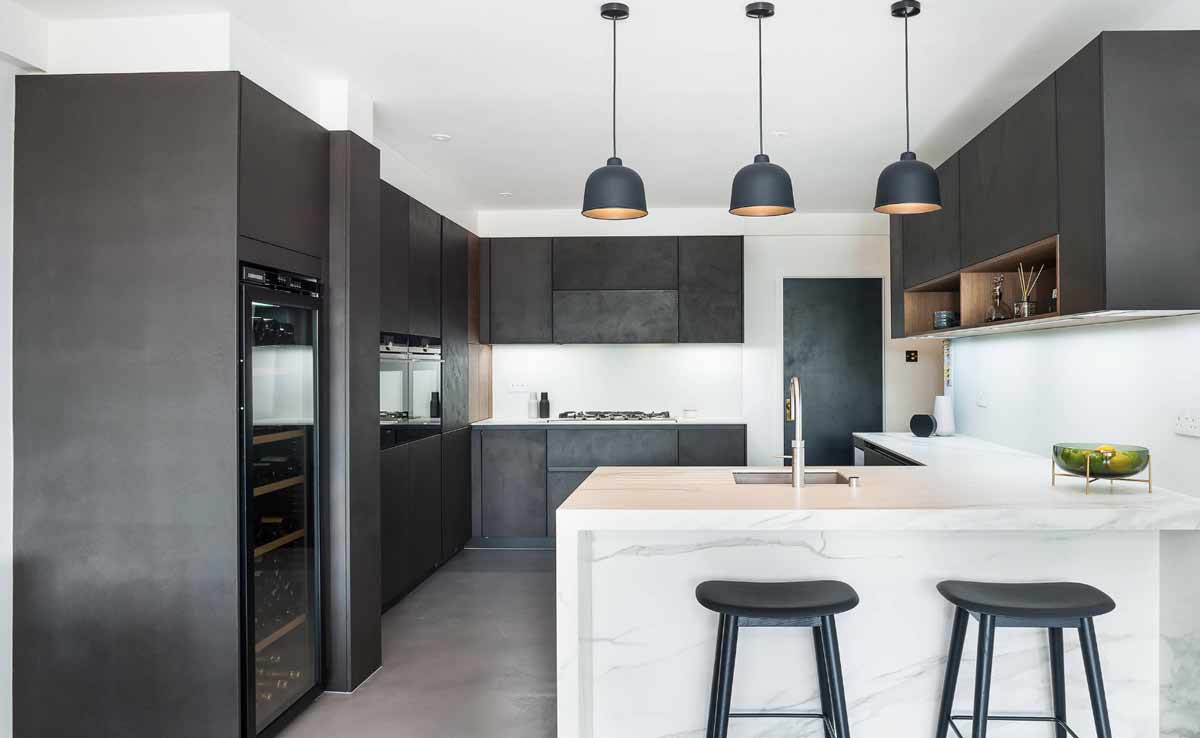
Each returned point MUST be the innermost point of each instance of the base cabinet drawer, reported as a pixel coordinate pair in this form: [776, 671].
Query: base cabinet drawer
[712, 446]
[612, 447]
[560, 485]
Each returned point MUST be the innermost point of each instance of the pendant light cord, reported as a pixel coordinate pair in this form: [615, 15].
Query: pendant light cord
[907, 135]
[760, 90]
[614, 100]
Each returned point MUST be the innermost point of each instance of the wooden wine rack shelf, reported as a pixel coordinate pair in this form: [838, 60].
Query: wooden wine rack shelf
[267, 489]
[278, 542]
[281, 436]
[288, 627]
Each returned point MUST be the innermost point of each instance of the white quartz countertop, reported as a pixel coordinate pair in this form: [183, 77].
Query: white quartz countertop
[555, 422]
[966, 484]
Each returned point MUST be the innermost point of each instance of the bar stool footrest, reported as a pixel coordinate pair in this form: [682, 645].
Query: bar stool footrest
[1014, 719]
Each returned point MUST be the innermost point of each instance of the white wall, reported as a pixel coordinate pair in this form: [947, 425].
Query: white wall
[1118, 383]
[180, 43]
[7, 72]
[722, 380]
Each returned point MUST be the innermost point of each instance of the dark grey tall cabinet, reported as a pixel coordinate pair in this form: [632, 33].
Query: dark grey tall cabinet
[135, 197]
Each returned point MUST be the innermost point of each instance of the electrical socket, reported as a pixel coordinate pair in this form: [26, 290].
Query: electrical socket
[1187, 423]
[518, 388]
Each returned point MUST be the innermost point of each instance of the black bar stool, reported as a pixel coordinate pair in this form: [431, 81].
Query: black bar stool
[1050, 605]
[776, 605]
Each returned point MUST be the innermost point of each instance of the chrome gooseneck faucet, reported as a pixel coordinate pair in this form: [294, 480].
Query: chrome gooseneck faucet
[798, 439]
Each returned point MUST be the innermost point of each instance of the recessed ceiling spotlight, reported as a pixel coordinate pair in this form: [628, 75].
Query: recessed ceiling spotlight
[505, 194]
[441, 137]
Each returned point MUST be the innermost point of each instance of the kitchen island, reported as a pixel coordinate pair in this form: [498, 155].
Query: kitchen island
[635, 649]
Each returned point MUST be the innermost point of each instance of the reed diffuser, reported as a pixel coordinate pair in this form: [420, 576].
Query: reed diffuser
[1026, 307]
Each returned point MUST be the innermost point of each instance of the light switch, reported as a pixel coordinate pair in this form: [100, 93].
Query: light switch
[518, 388]
[910, 357]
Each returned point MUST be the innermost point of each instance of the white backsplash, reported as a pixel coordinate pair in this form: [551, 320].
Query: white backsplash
[706, 378]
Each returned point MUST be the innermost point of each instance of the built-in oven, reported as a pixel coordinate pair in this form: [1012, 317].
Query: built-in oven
[410, 388]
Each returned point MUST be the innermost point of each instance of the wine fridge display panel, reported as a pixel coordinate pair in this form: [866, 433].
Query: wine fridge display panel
[280, 505]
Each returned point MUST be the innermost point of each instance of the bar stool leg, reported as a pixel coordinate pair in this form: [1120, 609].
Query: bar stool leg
[983, 674]
[1058, 681]
[958, 634]
[1091, 667]
[716, 678]
[823, 679]
[837, 689]
[724, 685]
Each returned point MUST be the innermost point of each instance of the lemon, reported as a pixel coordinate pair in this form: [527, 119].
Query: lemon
[1106, 449]
[1122, 462]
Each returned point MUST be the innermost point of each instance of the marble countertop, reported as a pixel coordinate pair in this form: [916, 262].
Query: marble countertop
[966, 484]
[555, 423]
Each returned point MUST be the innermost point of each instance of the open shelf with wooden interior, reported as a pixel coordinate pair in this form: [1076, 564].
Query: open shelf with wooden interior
[969, 291]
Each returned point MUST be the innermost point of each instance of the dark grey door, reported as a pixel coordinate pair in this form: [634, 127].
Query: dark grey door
[833, 341]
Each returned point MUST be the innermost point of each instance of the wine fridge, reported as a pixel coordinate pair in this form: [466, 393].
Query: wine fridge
[280, 530]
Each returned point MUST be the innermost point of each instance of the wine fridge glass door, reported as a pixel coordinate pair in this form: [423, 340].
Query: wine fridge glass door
[280, 528]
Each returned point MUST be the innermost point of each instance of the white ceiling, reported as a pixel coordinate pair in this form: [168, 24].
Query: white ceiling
[524, 88]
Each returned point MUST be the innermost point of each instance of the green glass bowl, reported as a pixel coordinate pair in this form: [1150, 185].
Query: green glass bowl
[1119, 463]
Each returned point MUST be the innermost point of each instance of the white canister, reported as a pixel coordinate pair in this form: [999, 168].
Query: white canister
[943, 413]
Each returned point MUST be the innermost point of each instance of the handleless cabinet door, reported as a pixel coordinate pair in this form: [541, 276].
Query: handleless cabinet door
[712, 446]
[455, 370]
[397, 505]
[519, 291]
[710, 289]
[636, 263]
[1008, 179]
[616, 316]
[587, 447]
[393, 259]
[425, 271]
[283, 174]
[560, 486]
[896, 278]
[513, 471]
[426, 483]
[931, 247]
[456, 491]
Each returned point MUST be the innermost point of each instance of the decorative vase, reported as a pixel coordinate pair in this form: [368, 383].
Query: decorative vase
[943, 413]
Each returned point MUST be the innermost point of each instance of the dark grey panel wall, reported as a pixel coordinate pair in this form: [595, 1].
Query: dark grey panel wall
[394, 236]
[284, 169]
[560, 485]
[513, 483]
[711, 305]
[353, 639]
[1152, 168]
[712, 446]
[519, 292]
[455, 370]
[611, 447]
[125, 475]
[631, 263]
[833, 340]
[616, 316]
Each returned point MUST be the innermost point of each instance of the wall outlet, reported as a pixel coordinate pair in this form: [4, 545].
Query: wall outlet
[910, 356]
[1187, 423]
[517, 388]
[981, 400]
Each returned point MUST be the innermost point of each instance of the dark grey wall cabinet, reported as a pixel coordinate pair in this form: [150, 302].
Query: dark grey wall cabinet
[393, 259]
[455, 370]
[616, 316]
[931, 241]
[398, 569]
[425, 480]
[712, 446]
[424, 271]
[560, 485]
[350, 443]
[513, 483]
[519, 290]
[456, 491]
[896, 278]
[637, 263]
[1008, 179]
[125, 528]
[711, 303]
[284, 168]
[585, 447]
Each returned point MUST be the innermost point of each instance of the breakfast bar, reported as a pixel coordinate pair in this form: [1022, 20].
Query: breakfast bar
[635, 649]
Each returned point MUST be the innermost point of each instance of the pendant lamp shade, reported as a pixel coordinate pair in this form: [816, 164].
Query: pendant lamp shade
[761, 189]
[614, 191]
[908, 186]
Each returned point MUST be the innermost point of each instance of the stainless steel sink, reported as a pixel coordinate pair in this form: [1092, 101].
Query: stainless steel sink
[810, 477]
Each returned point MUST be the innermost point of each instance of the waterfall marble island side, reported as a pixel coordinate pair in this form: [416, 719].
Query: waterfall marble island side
[635, 649]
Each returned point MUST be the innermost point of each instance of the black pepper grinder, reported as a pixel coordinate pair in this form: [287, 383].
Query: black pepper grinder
[435, 405]
[544, 406]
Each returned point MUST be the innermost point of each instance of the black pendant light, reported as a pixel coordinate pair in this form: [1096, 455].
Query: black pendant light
[614, 191]
[762, 188]
[908, 186]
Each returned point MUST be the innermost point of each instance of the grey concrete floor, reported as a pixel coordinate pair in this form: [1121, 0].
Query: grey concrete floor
[469, 654]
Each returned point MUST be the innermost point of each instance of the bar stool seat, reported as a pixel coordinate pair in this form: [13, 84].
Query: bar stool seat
[784, 600]
[1028, 600]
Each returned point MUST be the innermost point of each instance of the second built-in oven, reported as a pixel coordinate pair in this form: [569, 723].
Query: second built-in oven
[410, 388]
